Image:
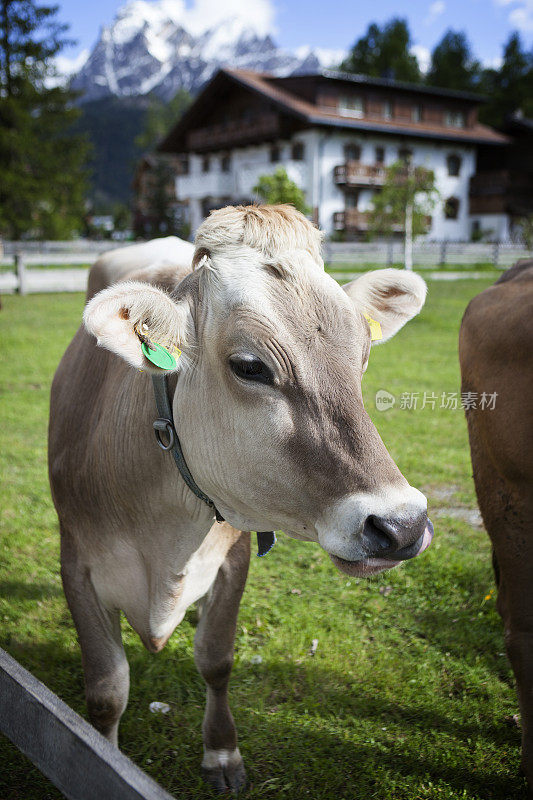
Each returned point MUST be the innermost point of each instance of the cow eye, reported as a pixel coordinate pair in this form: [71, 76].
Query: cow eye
[250, 368]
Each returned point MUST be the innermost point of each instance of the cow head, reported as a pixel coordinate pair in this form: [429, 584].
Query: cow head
[268, 404]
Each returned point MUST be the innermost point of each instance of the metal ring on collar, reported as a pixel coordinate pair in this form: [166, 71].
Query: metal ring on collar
[164, 426]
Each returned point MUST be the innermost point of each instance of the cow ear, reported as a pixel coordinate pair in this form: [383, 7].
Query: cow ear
[390, 296]
[126, 315]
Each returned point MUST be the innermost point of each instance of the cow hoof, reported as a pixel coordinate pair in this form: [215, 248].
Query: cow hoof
[224, 770]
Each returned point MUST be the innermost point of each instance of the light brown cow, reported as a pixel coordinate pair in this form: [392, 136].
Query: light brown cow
[496, 354]
[267, 401]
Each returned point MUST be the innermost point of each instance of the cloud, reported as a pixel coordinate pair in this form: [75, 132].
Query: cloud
[255, 14]
[423, 55]
[435, 10]
[521, 13]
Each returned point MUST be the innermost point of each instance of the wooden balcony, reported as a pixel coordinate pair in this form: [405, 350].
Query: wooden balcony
[501, 191]
[353, 221]
[353, 173]
[226, 135]
[488, 204]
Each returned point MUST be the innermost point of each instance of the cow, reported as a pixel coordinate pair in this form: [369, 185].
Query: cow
[267, 402]
[496, 356]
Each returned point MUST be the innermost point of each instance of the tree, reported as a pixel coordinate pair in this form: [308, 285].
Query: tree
[404, 203]
[509, 88]
[525, 227]
[42, 178]
[453, 65]
[278, 188]
[384, 52]
[160, 117]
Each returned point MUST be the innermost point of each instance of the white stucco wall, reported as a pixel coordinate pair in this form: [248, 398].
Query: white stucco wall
[493, 226]
[324, 150]
[430, 154]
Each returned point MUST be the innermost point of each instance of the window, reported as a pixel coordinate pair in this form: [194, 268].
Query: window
[183, 168]
[351, 106]
[416, 113]
[454, 164]
[350, 199]
[405, 154]
[454, 119]
[352, 152]
[275, 154]
[380, 155]
[225, 163]
[387, 109]
[298, 151]
[451, 208]
[206, 163]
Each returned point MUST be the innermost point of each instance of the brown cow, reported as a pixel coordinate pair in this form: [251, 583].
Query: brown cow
[496, 354]
[268, 406]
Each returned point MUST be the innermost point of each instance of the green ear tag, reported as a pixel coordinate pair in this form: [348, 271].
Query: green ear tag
[159, 355]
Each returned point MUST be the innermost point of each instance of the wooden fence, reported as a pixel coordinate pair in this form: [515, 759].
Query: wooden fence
[63, 746]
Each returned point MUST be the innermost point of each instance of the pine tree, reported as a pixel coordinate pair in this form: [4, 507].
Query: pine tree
[42, 178]
[160, 117]
[384, 53]
[509, 88]
[453, 65]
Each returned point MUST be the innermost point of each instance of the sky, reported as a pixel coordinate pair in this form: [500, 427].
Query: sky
[329, 25]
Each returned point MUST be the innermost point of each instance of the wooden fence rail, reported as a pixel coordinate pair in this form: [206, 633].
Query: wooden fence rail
[63, 746]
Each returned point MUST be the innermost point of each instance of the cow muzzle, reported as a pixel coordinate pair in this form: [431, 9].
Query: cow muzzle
[362, 544]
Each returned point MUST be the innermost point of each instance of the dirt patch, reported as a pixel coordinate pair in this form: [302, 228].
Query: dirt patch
[468, 515]
[448, 494]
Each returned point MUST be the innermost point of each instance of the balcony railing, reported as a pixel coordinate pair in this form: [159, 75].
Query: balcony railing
[354, 221]
[488, 204]
[264, 126]
[353, 173]
[351, 220]
[501, 191]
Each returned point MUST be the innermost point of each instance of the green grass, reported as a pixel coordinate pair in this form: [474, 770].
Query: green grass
[409, 692]
[31, 267]
[351, 266]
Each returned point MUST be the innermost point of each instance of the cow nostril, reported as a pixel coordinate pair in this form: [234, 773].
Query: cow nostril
[391, 539]
[378, 534]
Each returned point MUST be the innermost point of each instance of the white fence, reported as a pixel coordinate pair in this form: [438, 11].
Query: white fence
[426, 254]
[70, 248]
[70, 260]
[18, 276]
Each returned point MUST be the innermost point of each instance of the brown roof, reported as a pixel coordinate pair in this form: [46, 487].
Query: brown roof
[266, 86]
[321, 116]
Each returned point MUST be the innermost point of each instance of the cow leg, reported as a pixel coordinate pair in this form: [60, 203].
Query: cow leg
[222, 765]
[105, 667]
[507, 512]
[515, 605]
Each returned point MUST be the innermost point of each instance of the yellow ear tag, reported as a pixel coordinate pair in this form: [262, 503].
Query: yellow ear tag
[375, 328]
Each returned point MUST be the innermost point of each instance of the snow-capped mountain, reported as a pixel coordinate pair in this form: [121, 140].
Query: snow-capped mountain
[161, 47]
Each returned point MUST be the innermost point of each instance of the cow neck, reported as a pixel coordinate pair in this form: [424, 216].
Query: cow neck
[165, 424]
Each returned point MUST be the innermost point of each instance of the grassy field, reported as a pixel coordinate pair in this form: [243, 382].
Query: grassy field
[409, 694]
[354, 266]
